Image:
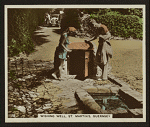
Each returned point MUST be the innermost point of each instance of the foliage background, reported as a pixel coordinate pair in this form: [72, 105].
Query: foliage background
[121, 22]
[21, 25]
[23, 22]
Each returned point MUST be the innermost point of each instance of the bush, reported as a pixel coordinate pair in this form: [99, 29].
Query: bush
[121, 25]
[70, 18]
[21, 25]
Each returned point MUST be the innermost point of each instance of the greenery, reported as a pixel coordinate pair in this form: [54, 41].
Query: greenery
[21, 25]
[121, 25]
[70, 19]
[13, 109]
[12, 75]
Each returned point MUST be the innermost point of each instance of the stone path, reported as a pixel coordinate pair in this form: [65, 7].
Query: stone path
[32, 90]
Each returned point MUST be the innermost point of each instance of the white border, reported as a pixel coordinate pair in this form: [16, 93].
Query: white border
[18, 120]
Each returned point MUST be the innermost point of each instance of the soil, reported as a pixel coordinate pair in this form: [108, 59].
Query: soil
[126, 62]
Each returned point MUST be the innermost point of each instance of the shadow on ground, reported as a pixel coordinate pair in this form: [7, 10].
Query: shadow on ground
[39, 39]
[57, 31]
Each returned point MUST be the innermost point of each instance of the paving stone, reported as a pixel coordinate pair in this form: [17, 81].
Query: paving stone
[88, 101]
[71, 103]
[132, 93]
[60, 92]
[102, 89]
[117, 112]
[114, 89]
[90, 89]
[41, 95]
[131, 98]
[107, 85]
[136, 112]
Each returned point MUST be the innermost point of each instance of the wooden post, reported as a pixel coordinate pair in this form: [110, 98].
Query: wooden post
[68, 64]
[87, 54]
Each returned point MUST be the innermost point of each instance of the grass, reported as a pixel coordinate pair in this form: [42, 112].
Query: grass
[127, 62]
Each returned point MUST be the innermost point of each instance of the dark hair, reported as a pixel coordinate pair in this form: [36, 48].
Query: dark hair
[101, 30]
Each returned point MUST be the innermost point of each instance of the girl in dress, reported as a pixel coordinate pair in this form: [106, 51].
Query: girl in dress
[60, 58]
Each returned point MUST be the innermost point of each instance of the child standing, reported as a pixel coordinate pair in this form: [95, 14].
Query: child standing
[60, 58]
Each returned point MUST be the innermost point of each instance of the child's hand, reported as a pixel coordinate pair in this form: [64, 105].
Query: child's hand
[69, 50]
[86, 41]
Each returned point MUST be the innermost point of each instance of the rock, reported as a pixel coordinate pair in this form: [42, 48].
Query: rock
[28, 106]
[16, 113]
[46, 112]
[50, 112]
[88, 80]
[21, 80]
[31, 117]
[10, 100]
[29, 109]
[9, 112]
[32, 94]
[29, 98]
[11, 115]
[139, 78]
[80, 112]
[10, 88]
[28, 77]
[23, 116]
[47, 80]
[35, 99]
[46, 96]
[47, 106]
[107, 85]
[102, 89]
[16, 90]
[30, 113]
[19, 99]
[33, 75]
[55, 81]
[39, 110]
[21, 108]
[136, 112]
[114, 89]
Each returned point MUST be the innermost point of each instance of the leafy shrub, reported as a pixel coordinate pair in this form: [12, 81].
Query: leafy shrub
[70, 18]
[21, 25]
[121, 25]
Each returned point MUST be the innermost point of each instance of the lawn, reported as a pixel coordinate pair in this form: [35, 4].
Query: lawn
[127, 62]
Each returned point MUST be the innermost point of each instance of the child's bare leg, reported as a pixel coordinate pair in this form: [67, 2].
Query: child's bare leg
[55, 74]
[61, 68]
